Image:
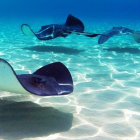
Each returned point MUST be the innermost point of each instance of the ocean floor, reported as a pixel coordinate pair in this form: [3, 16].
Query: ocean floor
[105, 104]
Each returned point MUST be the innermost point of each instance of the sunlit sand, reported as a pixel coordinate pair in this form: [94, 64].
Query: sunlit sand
[105, 104]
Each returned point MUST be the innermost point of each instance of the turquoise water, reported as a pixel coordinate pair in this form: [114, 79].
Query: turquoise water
[106, 99]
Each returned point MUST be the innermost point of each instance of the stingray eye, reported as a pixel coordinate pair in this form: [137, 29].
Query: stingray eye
[38, 80]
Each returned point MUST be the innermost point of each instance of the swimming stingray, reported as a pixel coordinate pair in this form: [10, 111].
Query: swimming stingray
[119, 31]
[52, 79]
[47, 32]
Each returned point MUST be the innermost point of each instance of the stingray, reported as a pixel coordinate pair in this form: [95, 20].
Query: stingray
[49, 80]
[72, 26]
[119, 31]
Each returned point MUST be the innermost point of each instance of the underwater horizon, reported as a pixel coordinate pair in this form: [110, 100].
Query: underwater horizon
[105, 102]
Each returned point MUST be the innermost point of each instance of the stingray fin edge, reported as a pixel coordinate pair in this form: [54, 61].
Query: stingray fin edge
[26, 30]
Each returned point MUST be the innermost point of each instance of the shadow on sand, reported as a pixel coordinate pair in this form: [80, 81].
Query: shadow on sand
[55, 49]
[20, 120]
[124, 50]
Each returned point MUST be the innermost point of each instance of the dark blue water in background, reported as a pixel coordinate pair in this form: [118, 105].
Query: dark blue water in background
[89, 9]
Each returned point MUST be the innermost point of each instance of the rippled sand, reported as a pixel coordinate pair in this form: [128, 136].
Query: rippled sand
[105, 104]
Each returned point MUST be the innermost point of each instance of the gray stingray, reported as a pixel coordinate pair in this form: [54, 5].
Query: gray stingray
[50, 80]
[119, 31]
[72, 26]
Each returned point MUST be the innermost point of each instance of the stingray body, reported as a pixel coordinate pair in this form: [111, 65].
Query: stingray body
[50, 80]
[47, 32]
[119, 31]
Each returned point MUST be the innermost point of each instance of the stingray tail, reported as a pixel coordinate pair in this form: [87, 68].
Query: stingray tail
[85, 33]
[91, 34]
[26, 30]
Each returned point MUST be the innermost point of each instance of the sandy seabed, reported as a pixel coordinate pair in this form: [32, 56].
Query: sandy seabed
[105, 104]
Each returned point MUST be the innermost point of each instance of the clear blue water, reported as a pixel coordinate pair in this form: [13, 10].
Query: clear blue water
[90, 9]
[106, 99]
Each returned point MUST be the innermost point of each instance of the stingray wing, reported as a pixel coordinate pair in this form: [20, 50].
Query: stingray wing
[38, 83]
[115, 31]
[8, 79]
[136, 36]
[105, 36]
[45, 33]
[26, 30]
[74, 23]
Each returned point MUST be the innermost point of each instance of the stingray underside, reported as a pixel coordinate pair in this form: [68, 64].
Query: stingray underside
[136, 36]
[25, 28]
[46, 81]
